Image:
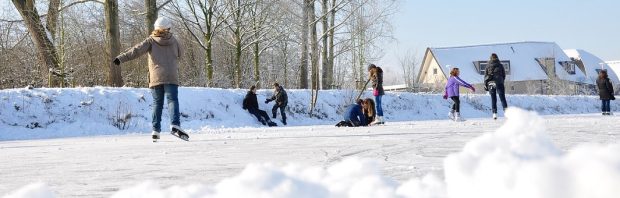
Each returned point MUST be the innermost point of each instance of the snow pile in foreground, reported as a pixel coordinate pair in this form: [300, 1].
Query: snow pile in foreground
[35, 190]
[518, 160]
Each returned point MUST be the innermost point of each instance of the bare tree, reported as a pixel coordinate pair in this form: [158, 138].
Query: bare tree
[45, 48]
[409, 64]
[114, 43]
[202, 18]
[264, 15]
[314, 56]
[305, 29]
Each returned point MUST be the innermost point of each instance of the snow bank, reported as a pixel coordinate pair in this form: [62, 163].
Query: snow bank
[518, 160]
[56, 113]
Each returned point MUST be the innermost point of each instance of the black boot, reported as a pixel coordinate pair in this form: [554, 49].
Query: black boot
[272, 124]
[284, 121]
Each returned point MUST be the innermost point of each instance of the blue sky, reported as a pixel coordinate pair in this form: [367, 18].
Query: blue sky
[592, 25]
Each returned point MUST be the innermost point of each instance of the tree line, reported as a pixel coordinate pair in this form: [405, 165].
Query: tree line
[306, 44]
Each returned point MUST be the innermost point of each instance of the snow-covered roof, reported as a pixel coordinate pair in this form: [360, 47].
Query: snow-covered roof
[592, 64]
[615, 67]
[522, 57]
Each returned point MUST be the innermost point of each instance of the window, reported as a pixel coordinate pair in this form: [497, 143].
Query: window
[434, 70]
[481, 66]
[569, 66]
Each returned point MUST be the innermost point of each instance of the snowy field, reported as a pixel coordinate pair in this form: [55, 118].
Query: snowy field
[79, 153]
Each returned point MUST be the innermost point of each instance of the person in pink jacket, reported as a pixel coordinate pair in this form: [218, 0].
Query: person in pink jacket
[452, 92]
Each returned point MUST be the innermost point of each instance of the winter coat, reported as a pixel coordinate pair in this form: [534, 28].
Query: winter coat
[377, 80]
[250, 102]
[354, 114]
[164, 52]
[494, 72]
[605, 89]
[452, 87]
[279, 95]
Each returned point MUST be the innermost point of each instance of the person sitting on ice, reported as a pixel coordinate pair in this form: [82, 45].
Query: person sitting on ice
[368, 107]
[353, 116]
[452, 92]
[250, 103]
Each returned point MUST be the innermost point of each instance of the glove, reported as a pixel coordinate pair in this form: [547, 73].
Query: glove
[486, 88]
[473, 89]
[445, 97]
[117, 61]
[267, 101]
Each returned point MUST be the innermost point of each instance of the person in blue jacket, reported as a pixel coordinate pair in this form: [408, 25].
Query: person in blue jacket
[354, 116]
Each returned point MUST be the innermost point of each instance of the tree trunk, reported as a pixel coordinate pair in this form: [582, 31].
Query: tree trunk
[314, 57]
[256, 27]
[326, 80]
[285, 56]
[257, 64]
[45, 48]
[52, 17]
[209, 49]
[151, 14]
[330, 59]
[238, 57]
[303, 69]
[114, 43]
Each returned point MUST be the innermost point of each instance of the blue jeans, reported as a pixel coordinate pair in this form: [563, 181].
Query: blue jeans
[171, 92]
[605, 106]
[378, 105]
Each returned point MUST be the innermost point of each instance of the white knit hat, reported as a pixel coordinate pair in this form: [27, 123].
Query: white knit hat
[163, 23]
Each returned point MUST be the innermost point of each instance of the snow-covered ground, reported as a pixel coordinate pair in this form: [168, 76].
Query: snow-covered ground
[417, 154]
[57, 113]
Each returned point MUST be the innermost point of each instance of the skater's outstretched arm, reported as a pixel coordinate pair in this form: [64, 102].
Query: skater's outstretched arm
[136, 51]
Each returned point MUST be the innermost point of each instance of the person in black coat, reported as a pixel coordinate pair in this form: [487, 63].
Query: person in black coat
[494, 77]
[250, 103]
[605, 91]
[279, 95]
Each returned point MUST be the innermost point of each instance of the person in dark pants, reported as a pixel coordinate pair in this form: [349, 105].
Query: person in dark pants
[354, 116]
[494, 77]
[279, 95]
[164, 52]
[605, 91]
[250, 103]
[452, 92]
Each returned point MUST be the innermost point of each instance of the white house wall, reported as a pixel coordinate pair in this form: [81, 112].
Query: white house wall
[430, 77]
